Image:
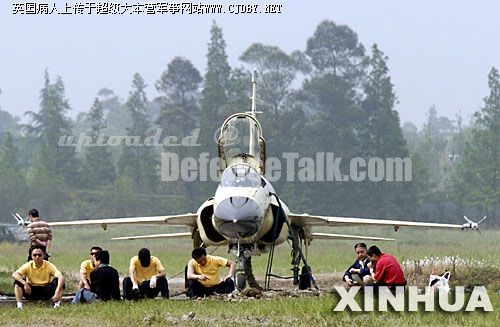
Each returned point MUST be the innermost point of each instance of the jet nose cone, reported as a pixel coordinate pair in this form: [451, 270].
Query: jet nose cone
[239, 201]
[238, 216]
[237, 208]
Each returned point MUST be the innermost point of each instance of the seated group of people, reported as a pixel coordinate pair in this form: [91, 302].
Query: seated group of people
[39, 279]
[98, 280]
[374, 268]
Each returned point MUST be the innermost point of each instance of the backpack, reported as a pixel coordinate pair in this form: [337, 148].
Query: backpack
[304, 278]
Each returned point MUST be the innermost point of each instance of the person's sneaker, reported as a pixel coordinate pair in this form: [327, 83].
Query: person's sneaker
[20, 305]
[57, 304]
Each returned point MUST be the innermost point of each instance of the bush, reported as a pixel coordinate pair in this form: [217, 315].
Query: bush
[464, 272]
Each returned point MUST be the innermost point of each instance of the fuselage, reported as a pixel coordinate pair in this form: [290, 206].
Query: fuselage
[243, 210]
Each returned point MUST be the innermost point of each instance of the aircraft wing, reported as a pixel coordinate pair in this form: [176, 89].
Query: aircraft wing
[140, 237]
[348, 237]
[311, 220]
[173, 220]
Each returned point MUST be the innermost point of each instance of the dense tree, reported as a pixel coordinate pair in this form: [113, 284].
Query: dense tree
[10, 157]
[214, 95]
[239, 94]
[381, 137]
[116, 114]
[276, 72]
[8, 124]
[433, 149]
[329, 104]
[334, 112]
[179, 88]
[329, 98]
[476, 183]
[214, 98]
[99, 169]
[81, 123]
[458, 140]
[49, 125]
[411, 135]
[13, 186]
[335, 49]
[138, 160]
[334, 118]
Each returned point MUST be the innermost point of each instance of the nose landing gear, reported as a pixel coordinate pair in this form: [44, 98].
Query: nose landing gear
[244, 274]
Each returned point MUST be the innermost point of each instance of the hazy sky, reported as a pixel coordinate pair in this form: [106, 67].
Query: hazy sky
[440, 52]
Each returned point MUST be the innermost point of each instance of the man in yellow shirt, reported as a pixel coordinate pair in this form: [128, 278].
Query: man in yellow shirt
[38, 279]
[146, 278]
[86, 267]
[203, 274]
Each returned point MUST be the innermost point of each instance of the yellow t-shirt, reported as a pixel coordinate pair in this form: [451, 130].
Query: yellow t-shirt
[145, 273]
[38, 276]
[86, 267]
[210, 269]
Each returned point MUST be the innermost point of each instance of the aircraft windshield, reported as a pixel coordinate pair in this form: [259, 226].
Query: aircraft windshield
[240, 176]
[241, 136]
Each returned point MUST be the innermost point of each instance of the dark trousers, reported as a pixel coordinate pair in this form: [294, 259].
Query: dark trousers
[391, 287]
[145, 290]
[45, 292]
[196, 289]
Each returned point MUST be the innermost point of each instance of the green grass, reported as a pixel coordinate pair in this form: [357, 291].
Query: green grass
[72, 245]
[310, 311]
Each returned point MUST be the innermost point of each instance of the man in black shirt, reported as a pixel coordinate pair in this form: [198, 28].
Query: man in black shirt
[104, 282]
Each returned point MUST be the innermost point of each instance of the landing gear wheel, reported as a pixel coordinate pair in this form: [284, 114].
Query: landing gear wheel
[241, 280]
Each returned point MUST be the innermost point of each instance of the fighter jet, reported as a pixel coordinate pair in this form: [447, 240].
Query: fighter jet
[245, 213]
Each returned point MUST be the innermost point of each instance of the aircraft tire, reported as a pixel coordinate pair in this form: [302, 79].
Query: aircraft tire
[241, 280]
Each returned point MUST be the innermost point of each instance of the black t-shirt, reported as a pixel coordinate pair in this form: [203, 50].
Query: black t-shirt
[105, 283]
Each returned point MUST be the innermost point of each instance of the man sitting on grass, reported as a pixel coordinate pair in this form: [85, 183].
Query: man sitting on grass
[359, 273]
[86, 267]
[385, 269]
[38, 279]
[104, 282]
[146, 277]
[203, 274]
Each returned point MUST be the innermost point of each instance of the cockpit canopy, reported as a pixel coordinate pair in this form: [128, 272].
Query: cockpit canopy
[241, 141]
[240, 175]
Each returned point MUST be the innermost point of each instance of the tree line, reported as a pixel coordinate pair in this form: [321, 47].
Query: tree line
[335, 97]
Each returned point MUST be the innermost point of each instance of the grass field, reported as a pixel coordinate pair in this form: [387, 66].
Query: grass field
[315, 311]
[71, 246]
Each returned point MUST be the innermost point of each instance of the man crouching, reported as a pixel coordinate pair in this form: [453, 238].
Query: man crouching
[33, 280]
[359, 273]
[203, 274]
